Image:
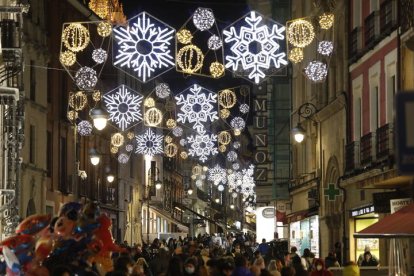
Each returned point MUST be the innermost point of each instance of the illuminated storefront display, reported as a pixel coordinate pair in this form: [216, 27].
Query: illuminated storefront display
[305, 234]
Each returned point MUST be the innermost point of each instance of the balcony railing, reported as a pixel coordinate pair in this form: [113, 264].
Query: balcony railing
[367, 148]
[352, 156]
[355, 43]
[388, 16]
[371, 30]
[385, 141]
[407, 14]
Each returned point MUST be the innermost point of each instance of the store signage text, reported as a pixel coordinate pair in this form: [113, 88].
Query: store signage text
[268, 213]
[260, 139]
[363, 211]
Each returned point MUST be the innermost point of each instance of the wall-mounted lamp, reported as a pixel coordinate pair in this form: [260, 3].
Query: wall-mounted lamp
[190, 191]
[110, 178]
[99, 117]
[94, 156]
[298, 133]
[306, 111]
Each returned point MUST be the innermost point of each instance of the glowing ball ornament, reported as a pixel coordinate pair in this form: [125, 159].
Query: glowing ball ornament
[325, 48]
[237, 132]
[67, 58]
[316, 71]
[231, 156]
[72, 115]
[153, 116]
[104, 29]
[214, 43]
[224, 137]
[96, 95]
[296, 55]
[184, 155]
[203, 19]
[149, 102]
[184, 36]
[197, 170]
[183, 142]
[117, 139]
[238, 123]
[171, 150]
[99, 55]
[129, 147]
[220, 188]
[227, 98]
[216, 69]
[224, 113]
[300, 33]
[123, 158]
[75, 37]
[199, 183]
[86, 78]
[162, 90]
[326, 20]
[236, 145]
[234, 195]
[190, 59]
[171, 123]
[130, 135]
[168, 139]
[178, 131]
[244, 108]
[114, 150]
[78, 100]
[85, 128]
[222, 148]
[235, 166]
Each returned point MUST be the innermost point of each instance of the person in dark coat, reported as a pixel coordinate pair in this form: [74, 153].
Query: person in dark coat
[320, 269]
[369, 260]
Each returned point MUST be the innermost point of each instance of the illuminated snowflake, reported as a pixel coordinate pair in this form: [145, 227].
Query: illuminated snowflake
[255, 46]
[124, 107]
[197, 107]
[202, 146]
[149, 143]
[84, 128]
[123, 158]
[146, 46]
[217, 175]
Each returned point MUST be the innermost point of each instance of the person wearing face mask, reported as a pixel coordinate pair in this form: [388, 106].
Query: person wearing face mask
[320, 269]
[191, 266]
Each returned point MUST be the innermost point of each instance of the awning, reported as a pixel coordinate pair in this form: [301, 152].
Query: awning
[397, 225]
[301, 215]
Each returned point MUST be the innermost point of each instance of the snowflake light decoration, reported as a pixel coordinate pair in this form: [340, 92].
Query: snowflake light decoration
[203, 19]
[124, 107]
[99, 55]
[238, 123]
[214, 42]
[244, 108]
[255, 46]
[197, 107]
[316, 71]
[123, 158]
[162, 90]
[232, 156]
[202, 146]
[325, 48]
[145, 46]
[217, 174]
[84, 128]
[86, 78]
[149, 143]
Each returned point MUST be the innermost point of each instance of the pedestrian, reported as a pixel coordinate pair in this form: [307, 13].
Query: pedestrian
[307, 260]
[338, 252]
[296, 263]
[175, 266]
[320, 269]
[361, 256]
[263, 248]
[331, 261]
[273, 267]
[369, 260]
[350, 269]
[191, 267]
[241, 268]
[293, 252]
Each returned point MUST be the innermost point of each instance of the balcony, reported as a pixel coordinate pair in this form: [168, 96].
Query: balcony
[371, 29]
[352, 156]
[388, 17]
[367, 149]
[407, 14]
[355, 43]
[385, 141]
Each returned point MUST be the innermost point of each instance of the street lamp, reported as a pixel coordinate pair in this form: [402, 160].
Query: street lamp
[99, 117]
[110, 178]
[190, 191]
[306, 111]
[298, 133]
[158, 184]
[94, 156]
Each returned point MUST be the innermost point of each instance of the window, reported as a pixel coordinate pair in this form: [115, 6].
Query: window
[32, 81]
[390, 98]
[356, 11]
[374, 5]
[357, 119]
[49, 153]
[374, 108]
[32, 144]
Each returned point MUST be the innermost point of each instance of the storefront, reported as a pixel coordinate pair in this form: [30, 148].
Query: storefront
[361, 218]
[304, 233]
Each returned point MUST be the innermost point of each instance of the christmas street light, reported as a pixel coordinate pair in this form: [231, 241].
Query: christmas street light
[99, 117]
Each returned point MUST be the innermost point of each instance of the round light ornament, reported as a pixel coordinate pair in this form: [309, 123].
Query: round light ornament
[326, 20]
[300, 33]
[227, 98]
[238, 123]
[114, 150]
[104, 29]
[129, 147]
[75, 37]
[203, 19]
[216, 69]
[237, 132]
[130, 135]
[99, 55]
[222, 148]
[190, 59]
[244, 108]
[178, 131]
[325, 48]
[123, 158]
[296, 55]
[78, 100]
[67, 58]
[168, 139]
[86, 78]
[224, 137]
[184, 36]
[162, 90]
[214, 43]
[96, 95]
[149, 102]
[232, 156]
[224, 113]
[197, 170]
[84, 128]
[220, 188]
[171, 123]
[171, 150]
[72, 115]
[316, 71]
[153, 116]
[117, 139]
[234, 195]
[184, 155]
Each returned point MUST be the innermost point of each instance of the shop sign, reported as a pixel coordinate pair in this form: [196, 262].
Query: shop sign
[362, 211]
[268, 213]
[397, 204]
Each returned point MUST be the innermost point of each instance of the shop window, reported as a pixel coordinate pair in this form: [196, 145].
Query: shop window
[373, 244]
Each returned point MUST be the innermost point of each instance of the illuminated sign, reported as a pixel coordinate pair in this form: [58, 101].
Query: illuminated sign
[362, 211]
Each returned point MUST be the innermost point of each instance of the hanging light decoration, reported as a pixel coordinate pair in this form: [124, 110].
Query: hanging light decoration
[114, 150]
[171, 150]
[199, 183]
[99, 55]
[214, 43]
[183, 142]
[72, 115]
[171, 123]
[78, 100]
[178, 131]
[104, 29]
[222, 148]
[67, 58]
[149, 102]
[190, 59]
[75, 37]
[296, 55]
[300, 33]
[130, 135]
[224, 113]
[316, 71]
[86, 78]
[168, 139]
[101, 8]
[235, 166]
[162, 90]
[216, 69]
[244, 108]
[234, 195]
[238, 123]
[84, 128]
[325, 48]
[153, 116]
[237, 132]
[231, 156]
[96, 95]
[236, 145]
[117, 139]
[220, 188]
[203, 19]
[227, 98]
[224, 137]
[184, 36]
[129, 147]
[197, 170]
[123, 158]
[184, 155]
[326, 20]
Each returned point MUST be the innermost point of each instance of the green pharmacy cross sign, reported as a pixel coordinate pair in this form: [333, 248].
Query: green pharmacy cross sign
[331, 192]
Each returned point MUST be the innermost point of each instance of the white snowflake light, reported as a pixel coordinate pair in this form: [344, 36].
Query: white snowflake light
[146, 46]
[316, 71]
[202, 146]
[325, 48]
[178, 131]
[162, 90]
[203, 19]
[255, 47]
[238, 123]
[99, 55]
[214, 43]
[129, 147]
[244, 108]
[124, 107]
[123, 158]
[86, 78]
[149, 143]
[84, 128]
[232, 156]
[217, 174]
[197, 107]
